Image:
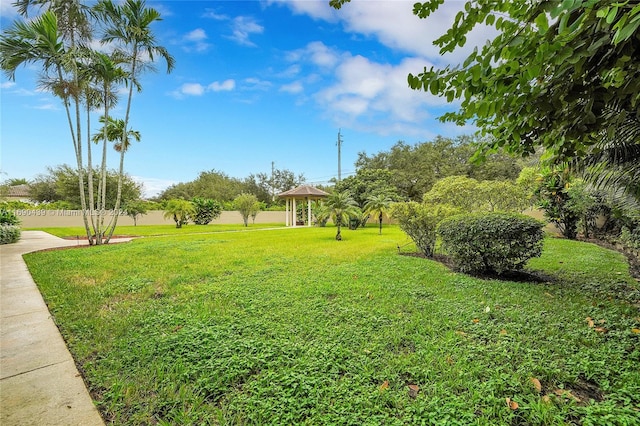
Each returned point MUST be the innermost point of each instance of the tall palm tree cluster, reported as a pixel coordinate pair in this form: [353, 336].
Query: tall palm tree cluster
[60, 39]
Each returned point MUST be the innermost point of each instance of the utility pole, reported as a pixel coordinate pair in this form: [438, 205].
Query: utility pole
[339, 144]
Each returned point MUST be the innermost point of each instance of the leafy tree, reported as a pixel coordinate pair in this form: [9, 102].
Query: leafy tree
[549, 78]
[469, 195]
[368, 182]
[135, 209]
[247, 205]
[209, 184]
[266, 186]
[181, 211]
[413, 169]
[321, 213]
[206, 210]
[16, 182]
[341, 205]
[378, 205]
[60, 184]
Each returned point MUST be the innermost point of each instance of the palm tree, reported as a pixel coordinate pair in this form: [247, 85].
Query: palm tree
[180, 211]
[104, 72]
[613, 165]
[341, 204]
[128, 24]
[41, 40]
[378, 205]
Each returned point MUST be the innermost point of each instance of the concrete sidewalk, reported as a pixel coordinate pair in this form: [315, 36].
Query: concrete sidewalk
[39, 382]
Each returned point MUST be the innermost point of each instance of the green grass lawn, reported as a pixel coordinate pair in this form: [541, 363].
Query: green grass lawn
[289, 326]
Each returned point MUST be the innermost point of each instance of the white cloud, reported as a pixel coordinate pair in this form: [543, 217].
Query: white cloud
[7, 10]
[193, 89]
[315, 9]
[295, 87]
[210, 13]
[394, 25]
[7, 84]
[317, 53]
[196, 35]
[197, 89]
[242, 28]
[226, 85]
[195, 40]
[376, 96]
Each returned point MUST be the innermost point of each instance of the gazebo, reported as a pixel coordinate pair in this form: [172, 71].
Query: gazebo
[302, 193]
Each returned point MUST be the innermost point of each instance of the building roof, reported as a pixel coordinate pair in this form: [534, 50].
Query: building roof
[18, 191]
[303, 191]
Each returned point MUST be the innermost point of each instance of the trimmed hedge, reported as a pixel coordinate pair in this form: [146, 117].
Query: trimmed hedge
[491, 242]
[9, 234]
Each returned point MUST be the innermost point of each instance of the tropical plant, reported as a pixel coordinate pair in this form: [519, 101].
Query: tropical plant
[321, 213]
[554, 199]
[8, 217]
[247, 205]
[50, 39]
[128, 26]
[206, 210]
[181, 211]
[378, 205]
[134, 209]
[341, 205]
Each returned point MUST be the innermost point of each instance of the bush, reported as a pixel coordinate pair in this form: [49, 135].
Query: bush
[8, 218]
[206, 210]
[9, 234]
[491, 242]
[419, 222]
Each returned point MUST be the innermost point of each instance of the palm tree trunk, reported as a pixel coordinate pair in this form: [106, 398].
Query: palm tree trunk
[380, 220]
[116, 212]
[90, 168]
[78, 152]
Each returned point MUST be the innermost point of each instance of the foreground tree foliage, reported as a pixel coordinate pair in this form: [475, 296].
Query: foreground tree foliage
[563, 75]
[247, 205]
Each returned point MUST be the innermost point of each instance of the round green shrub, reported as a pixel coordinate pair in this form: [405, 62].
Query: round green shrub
[8, 217]
[9, 234]
[491, 242]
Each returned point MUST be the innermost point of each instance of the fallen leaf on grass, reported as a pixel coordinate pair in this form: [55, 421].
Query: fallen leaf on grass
[476, 320]
[635, 330]
[487, 310]
[449, 360]
[384, 386]
[546, 399]
[512, 404]
[548, 294]
[601, 330]
[503, 332]
[413, 390]
[461, 333]
[536, 384]
[589, 321]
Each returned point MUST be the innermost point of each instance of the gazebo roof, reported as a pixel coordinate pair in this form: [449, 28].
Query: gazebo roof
[303, 191]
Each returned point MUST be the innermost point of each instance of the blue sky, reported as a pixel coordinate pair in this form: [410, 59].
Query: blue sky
[255, 82]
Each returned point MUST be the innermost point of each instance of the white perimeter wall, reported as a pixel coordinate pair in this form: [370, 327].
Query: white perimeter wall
[65, 218]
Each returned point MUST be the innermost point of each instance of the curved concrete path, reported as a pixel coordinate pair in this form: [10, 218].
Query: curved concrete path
[39, 382]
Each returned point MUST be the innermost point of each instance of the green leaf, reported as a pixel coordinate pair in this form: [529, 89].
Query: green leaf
[542, 23]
